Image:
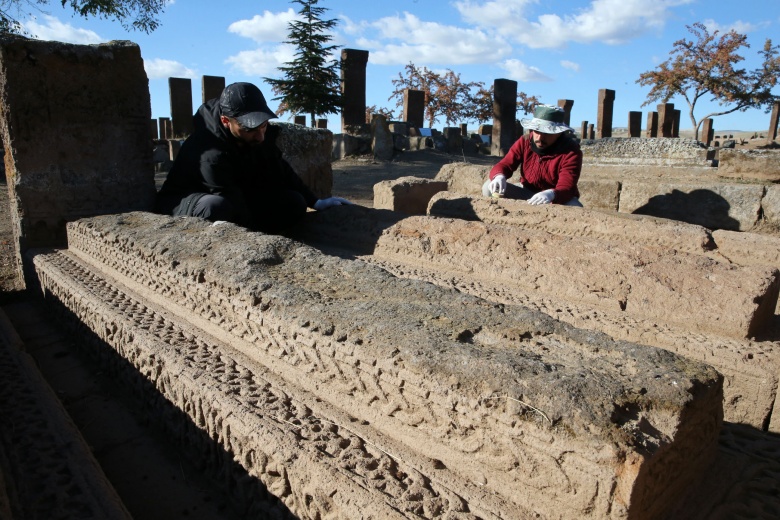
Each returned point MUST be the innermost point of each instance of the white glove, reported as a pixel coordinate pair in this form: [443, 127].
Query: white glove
[498, 184]
[543, 197]
[322, 204]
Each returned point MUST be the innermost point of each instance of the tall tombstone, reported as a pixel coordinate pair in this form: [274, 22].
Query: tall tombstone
[300, 120]
[168, 127]
[604, 119]
[165, 127]
[85, 157]
[584, 130]
[414, 108]
[353, 90]
[181, 106]
[153, 129]
[591, 132]
[652, 125]
[504, 112]
[464, 129]
[322, 123]
[676, 124]
[665, 119]
[707, 131]
[634, 124]
[773, 120]
[566, 105]
[212, 87]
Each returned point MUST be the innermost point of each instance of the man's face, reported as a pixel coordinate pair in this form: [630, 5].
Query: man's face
[245, 136]
[543, 141]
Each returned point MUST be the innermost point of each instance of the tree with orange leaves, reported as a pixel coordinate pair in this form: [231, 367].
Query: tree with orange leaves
[708, 66]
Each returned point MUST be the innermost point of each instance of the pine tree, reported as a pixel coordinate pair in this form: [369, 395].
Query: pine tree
[311, 83]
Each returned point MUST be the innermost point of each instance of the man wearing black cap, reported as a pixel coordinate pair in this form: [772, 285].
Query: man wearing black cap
[230, 169]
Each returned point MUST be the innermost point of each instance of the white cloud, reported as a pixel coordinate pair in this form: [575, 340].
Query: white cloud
[159, 68]
[430, 42]
[607, 21]
[566, 64]
[54, 30]
[519, 71]
[262, 62]
[268, 27]
[738, 26]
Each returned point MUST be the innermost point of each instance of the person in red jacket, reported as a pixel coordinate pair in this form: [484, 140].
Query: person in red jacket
[549, 160]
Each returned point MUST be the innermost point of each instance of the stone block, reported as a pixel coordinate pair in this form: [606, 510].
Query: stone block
[660, 151]
[420, 143]
[308, 150]
[273, 361]
[345, 145]
[715, 206]
[464, 178]
[381, 138]
[756, 165]
[650, 232]
[744, 248]
[409, 195]
[599, 194]
[770, 205]
[668, 287]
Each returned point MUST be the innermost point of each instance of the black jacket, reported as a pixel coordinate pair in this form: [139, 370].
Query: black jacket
[210, 161]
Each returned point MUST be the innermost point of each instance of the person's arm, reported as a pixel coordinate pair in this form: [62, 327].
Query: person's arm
[510, 163]
[569, 171]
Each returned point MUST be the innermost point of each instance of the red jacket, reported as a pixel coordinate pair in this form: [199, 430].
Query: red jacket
[558, 168]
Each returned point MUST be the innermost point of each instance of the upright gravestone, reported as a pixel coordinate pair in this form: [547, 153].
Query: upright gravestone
[322, 123]
[75, 123]
[212, 87]
[353, 90]
[153, 129]
[414, 107]
[634, 124]
[604, 120]
[584, 130]
[773, 120]
[676, 124]
[300, 120]
[181, 106]
[165, 127]
[665, 119]
[504, 111]
[707, 131]
[652, 125]
[566, 105]
[591, 132]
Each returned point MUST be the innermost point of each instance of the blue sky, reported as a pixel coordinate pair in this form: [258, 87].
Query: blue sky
[556, 49]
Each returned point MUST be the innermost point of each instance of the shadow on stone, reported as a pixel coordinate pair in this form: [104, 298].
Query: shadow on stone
[702, 207]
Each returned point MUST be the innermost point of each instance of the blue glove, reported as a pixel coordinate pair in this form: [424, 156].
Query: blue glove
[543, 197]
[322, 204]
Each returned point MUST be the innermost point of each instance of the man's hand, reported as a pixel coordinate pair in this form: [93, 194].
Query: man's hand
[543, 197]
[498, 185]
[330, 202]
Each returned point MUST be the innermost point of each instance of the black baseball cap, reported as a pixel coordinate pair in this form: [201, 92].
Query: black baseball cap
[246, 103]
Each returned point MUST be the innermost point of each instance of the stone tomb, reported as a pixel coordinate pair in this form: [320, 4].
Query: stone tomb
[347, 391]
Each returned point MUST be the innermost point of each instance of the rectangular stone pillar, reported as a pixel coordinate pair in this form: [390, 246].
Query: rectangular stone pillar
[181, 106]
[676, 124]
[634, 124]
[665, 119]
[706, 131]
[504, 111]
[414, 108]
[153, 129]
[652, 125]
[300, 120]
[464, 129]
[773, 120]
[322, 123]
[212, 87]
[584, 130]
[353, 90]
[73, 147]
[604, 119]
[566, 105]
[165, 127]
[591, 132]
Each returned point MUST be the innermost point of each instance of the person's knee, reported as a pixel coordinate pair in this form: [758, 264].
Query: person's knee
[213, 208]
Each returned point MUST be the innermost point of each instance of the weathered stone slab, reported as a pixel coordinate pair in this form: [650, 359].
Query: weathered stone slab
[46, 468]
[599, 194]
[345, 145]
[655, 151]
[760, 165]
[308, 150]
[714, 206]
[409, 195]
[770, 205]
[669, 287]
[456, 388]
[748, 248]
[60, 163]
[575, 222]
[464, 178]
